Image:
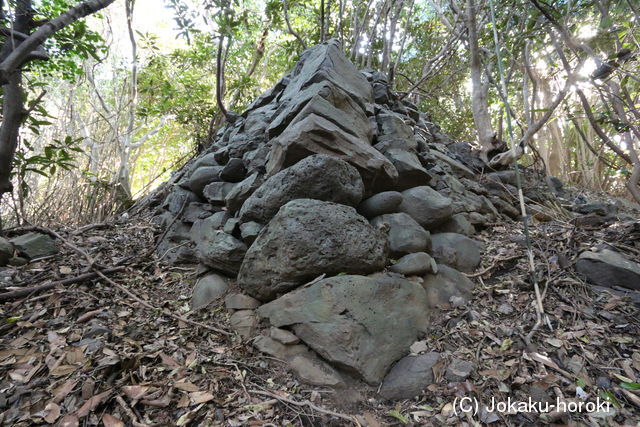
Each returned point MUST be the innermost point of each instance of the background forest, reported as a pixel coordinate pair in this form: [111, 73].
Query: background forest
[129, 94]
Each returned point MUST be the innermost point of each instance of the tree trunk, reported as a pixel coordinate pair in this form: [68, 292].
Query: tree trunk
[11, 76]
[479, 88]
[13, 103]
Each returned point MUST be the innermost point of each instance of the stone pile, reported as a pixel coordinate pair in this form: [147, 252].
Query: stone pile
[343, 215]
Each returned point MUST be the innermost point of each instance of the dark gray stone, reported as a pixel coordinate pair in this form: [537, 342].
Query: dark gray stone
[459, 370]
[221, 251]
[178, 198]
[458, 224]
[415, 264]
[234, 171]
[405, 234]
[410, 171]
[608, 268]
[232, 226]
[391, 126]
[208, 288]
[203, 176]
[379, 204]
[456, 250]
[315, 134]
[208, 159]
[6, 251]
[409, 376]
[327, 62]
[35, 245]
[241, 192]
[448, 288]
[249, 231]
[361, 324]
[319, 177]
[195, 211]
[216, 192]
[308, 238]
[428, 207]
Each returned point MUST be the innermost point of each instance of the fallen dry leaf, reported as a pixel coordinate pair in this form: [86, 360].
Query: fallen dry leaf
[200, 397]
[92, 403]
[111, 421]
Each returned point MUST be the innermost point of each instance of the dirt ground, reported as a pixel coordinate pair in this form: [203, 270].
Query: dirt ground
[124, 348]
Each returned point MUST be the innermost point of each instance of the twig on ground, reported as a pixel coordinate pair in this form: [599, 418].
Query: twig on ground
[88, 227]
[129, 412]
[493, 265]
[305, 403]
[7, 296]
[164, 311]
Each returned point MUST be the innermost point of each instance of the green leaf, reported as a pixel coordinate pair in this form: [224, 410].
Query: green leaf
[609, 397]
[630, 386]
[398, 416]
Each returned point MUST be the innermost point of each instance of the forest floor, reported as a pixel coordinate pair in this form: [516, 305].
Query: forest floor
[124, 349]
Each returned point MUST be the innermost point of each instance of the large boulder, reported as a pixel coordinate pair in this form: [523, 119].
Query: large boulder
[428, 207]
[319, 177]
[456, 250]
[608, 268]
[308, 238]
[361, 324]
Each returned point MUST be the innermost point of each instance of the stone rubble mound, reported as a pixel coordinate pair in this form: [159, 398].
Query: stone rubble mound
[343, 215]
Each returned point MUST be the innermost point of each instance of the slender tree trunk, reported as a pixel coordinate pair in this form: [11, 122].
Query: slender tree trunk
[479, 88]
[123, 175]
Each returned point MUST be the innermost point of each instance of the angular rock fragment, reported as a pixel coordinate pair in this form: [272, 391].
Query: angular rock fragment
[35, 245]
[203, 176]
[608, 268]
[244, 322]
[362, 324]
[314, 371]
